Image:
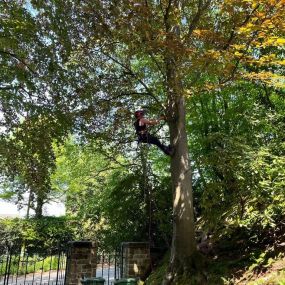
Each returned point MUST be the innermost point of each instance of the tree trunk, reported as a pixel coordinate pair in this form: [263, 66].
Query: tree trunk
[39, 207]
[29, 204]
[183, 241]
[183, 238]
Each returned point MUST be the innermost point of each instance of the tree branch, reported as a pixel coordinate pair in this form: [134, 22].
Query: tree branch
[227, 45]
[197, 16]
[194, 22]
[10, 87]
[233, 32]
[167, 11]
[239, 60]
[19, 59]
[157, 65]
[134, 75]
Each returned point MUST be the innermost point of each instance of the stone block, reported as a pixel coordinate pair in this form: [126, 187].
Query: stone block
[136, 259]
[82, 260]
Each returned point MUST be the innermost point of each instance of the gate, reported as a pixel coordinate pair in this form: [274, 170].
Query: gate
[20, 265]
[109, 266]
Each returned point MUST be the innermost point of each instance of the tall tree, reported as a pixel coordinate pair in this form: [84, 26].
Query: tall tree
[162, 51]
[31, 115]
[157, 53]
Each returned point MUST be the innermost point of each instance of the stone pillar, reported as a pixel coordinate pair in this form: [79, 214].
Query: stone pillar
[81, 260]
[136, 260]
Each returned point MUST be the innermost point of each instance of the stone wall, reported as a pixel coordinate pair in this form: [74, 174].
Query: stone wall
[136, 260]
[82, 261]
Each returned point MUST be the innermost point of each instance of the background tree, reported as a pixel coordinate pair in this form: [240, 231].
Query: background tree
[231, 133]
[111, 202]
[32, 116]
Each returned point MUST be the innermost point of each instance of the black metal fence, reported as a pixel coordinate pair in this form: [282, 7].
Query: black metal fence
[22, 266]
[109, 266]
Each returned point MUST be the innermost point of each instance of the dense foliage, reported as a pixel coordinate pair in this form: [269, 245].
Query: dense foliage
[237, 146]
[237, 143]
[38, 235]
[72, 74]
[114, 201]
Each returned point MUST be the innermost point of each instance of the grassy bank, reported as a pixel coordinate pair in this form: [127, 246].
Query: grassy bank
[255, 268]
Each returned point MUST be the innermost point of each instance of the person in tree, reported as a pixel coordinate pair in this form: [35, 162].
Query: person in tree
[144, 136]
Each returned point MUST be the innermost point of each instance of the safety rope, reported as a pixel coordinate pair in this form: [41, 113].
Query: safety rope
[147, 188]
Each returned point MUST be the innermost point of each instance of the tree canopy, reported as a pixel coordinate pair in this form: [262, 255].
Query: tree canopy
[213, 68]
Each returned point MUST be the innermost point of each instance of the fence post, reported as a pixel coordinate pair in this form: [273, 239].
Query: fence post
[81, 261]
[7, 270]
[136, 260]
[58, 264]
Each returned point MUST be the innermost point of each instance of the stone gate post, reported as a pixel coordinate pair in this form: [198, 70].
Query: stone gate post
[81, 260]
[136, 260]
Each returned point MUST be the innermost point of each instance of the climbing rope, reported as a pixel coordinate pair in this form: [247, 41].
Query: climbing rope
[147, 188]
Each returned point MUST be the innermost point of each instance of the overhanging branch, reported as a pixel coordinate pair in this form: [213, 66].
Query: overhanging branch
[201, 8]
[19, 59]
[130, 72]
[234, 32]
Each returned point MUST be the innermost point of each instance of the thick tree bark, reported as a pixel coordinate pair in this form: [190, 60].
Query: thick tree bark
[39, 208]
[183, 239]
[183, 242]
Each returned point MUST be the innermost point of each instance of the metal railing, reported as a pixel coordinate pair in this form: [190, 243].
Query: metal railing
[22, 266]
[109, 266]
[19, 266]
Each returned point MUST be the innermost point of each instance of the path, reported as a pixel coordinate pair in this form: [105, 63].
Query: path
[49, 278]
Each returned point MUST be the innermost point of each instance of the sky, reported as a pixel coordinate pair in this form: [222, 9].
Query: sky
[52, 209]
[7, 208]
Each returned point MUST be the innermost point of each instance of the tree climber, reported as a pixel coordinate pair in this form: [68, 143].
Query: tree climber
[144, 136]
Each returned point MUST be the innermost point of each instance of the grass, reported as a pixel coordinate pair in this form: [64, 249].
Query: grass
[274, 278]
[31, 264]
[158, 274]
